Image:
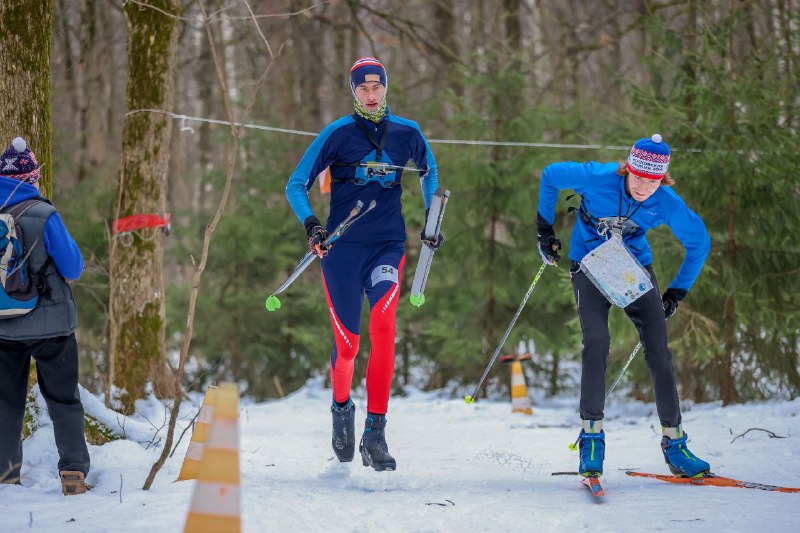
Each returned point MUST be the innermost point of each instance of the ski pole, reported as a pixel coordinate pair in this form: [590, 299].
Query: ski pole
[273, 303]
[624, 368]
[574, 445]
[432, 227]
[473, 397]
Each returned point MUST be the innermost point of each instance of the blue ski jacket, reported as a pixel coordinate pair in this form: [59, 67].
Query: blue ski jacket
[604, 195]
[345, 143]
[59, 243]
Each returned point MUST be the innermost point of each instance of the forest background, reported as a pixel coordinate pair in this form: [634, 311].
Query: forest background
[718, 79]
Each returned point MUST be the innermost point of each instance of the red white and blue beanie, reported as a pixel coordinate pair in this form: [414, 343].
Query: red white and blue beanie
[367, 69]
[649, 158]
[19, 162]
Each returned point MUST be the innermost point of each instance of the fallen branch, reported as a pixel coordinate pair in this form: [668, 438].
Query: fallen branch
[768, 432]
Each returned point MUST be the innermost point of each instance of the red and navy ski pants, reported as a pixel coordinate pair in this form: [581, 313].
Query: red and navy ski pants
[348, 272]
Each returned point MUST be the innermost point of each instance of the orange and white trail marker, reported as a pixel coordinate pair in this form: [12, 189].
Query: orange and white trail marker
[215, 503]
[520, 401]
[191, 463]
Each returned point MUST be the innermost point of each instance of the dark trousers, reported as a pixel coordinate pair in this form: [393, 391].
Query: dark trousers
[57, 369]
[647, 314]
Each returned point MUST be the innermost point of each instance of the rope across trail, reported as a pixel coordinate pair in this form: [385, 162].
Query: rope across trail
[185, 119]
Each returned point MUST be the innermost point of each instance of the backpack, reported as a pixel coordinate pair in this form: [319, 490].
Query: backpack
[19, 293]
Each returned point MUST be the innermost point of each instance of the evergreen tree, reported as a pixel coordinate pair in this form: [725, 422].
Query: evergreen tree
[727, 95]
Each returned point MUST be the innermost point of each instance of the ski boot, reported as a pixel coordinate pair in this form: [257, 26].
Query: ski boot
[592, 447]
[373, 447]
[344, 431]
[680, 460]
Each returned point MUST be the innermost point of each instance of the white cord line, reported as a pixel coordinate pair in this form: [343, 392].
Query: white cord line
[432, 141]
[225, 122]
[531, 145]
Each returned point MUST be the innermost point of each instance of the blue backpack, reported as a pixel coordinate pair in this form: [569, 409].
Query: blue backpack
[19, 293]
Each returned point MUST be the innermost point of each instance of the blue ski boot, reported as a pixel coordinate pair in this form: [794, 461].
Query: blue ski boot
[680, 460]
[344, 431]
[373, 447]
[592, 446]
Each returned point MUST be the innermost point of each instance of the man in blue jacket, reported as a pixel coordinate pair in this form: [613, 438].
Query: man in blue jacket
[369, 258]
[47, 333]
[629, 198]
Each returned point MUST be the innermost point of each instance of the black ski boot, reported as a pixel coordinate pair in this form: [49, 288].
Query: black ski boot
[373, 447]
[344, 431]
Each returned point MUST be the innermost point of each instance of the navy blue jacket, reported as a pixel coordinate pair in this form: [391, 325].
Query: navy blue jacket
[602, 189]
[343, 144]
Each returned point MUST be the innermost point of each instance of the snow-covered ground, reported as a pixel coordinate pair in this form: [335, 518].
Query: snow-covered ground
[460, 468]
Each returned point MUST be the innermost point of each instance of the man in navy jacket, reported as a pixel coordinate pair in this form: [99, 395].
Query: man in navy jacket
[629, 198]
[47, 333]
[369, 258]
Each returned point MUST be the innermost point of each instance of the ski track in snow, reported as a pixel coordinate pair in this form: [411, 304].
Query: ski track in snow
[460, 468]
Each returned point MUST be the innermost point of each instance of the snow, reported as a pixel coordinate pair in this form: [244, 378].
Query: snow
[460, 468]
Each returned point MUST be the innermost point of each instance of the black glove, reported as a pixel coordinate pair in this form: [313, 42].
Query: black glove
[317, 235]
[433, 244]
[548, 242]
[670, 299]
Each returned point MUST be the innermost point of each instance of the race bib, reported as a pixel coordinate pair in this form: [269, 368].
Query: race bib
[616, 273]
[384, 273]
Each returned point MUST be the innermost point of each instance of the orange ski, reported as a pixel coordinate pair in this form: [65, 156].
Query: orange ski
[714, 481]
[593, 484]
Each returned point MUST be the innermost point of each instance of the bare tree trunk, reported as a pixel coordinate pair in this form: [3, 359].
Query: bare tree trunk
[788, 29]
[137, 333]
[443, 13]
[88, 28]
[729, 321]
[554, 374]
[729, 341]
[689, 55]
[26, 27]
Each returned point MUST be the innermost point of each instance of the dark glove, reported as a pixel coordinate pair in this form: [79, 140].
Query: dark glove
[548, 242]
[670, 299]
[317, 235]
[433, 244]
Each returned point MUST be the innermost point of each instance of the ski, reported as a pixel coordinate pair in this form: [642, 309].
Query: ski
[432, 228]
[594, 486]
[590, 482]
[273, 303]
[713, 480]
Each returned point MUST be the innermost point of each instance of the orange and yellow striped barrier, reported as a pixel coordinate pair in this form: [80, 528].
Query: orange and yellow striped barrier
[191, 463]
[215, 503]
[520, 401]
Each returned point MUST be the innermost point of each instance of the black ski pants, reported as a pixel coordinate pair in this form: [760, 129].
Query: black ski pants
[647, 314]
[57, 369]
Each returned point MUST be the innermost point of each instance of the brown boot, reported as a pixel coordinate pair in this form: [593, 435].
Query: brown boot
[72, 482]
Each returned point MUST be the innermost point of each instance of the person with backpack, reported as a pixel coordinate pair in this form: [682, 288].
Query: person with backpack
[620, 202]
[39, 255]
[363, 151]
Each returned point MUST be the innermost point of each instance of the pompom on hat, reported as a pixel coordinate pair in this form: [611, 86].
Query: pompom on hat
[19, 162]
[649, 158]
[367, 69]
